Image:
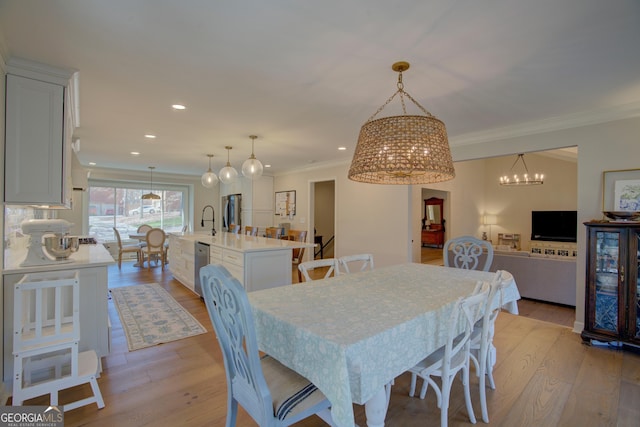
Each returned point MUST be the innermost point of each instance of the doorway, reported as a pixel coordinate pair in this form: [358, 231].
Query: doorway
[322, 211]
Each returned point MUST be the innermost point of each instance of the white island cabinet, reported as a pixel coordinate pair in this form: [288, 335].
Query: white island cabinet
[257, 262]
[91, 262]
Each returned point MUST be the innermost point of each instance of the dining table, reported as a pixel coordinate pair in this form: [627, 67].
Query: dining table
[352, 334]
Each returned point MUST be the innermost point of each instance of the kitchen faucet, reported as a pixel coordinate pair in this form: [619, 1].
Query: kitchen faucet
[213, 219]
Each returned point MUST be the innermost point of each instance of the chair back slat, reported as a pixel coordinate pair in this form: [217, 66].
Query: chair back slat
[467, 252]
[232, 319]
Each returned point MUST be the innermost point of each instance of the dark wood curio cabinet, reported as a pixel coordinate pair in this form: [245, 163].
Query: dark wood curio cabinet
[612, 304]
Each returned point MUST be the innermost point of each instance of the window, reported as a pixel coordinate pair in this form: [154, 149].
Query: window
[119, 204]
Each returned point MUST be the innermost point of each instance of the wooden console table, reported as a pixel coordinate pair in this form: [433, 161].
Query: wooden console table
[433, 237]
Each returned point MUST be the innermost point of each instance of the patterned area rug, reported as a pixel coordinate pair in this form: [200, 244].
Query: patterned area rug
[150, 316]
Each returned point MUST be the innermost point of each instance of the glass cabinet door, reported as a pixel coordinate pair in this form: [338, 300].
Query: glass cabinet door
[607, 297]
[634, 282]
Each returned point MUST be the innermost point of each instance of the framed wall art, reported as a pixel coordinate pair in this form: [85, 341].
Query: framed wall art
[286, 203]
[621, 190]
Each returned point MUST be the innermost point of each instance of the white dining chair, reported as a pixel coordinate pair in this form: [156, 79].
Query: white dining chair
[482, 351]
[304, 267]
[364, 260]
[453, 357]
[466, 252]
[272, 394]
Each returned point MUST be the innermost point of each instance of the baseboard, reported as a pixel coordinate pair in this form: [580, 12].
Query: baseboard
[578, 327]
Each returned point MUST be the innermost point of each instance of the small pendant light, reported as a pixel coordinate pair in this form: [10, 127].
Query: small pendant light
[252, 168]
[151, 195]
[209, 178]
[228, 174]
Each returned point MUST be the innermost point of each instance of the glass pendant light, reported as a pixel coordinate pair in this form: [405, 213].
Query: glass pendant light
[252, 168]
[151, 195]
[228, 174]
[209, 178]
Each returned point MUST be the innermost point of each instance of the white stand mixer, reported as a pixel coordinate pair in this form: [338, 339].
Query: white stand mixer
[37, 229]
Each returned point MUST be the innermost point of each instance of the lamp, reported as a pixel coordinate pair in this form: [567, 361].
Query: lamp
[151, 195]
[228, 174]
[489, 220]
[209, 178]
[252, 168]
[524, 179]
[406, 149]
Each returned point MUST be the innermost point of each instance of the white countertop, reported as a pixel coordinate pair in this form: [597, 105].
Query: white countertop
[86, 256]
[242, 242]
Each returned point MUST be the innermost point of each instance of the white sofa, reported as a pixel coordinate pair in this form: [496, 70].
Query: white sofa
[540, 278]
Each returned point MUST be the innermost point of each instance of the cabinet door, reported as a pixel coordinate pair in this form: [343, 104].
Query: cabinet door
[34, 151]
[606, 299]
[634, 286]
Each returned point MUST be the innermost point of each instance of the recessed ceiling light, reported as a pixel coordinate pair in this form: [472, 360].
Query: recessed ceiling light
[178, 107]
[267, 166]
[150, 136]
[92, 163]
[135, 153]
[342, 148]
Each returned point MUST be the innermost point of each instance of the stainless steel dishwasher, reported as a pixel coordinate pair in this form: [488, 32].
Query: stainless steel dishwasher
[202, 259]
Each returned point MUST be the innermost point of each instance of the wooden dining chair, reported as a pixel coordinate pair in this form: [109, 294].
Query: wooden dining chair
[466, 252]
[251, 231]
[272, 394]
[306, 266]
[123, 249]
[143, 230]
[155, 248]
[447, 361]
[298, 236]
[364, 260]
[234, 228]
[273, 232]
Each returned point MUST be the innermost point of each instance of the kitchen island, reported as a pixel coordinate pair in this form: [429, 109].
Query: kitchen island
[91, 262]
[257, 262]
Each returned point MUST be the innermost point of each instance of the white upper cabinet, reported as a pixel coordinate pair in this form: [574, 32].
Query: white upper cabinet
[38, 131]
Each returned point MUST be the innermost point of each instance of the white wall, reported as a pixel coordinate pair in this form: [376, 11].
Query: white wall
[512, 205]
[369, 218]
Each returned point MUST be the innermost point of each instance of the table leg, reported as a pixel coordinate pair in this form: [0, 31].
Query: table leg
[376, 409]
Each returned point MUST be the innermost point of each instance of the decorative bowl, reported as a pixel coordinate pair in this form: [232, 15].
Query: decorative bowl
[622, 215]
[60, 247]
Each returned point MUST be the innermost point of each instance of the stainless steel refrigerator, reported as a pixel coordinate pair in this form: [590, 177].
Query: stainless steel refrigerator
[231, 210]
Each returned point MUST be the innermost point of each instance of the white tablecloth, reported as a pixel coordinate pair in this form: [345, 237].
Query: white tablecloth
[352, 334]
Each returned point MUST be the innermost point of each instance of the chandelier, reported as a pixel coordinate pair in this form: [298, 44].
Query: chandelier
[525, 178]
[406, 149]
[151, 195]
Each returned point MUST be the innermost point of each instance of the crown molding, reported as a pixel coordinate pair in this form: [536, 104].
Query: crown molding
[549, 125]
[314, 166]
[39, 71]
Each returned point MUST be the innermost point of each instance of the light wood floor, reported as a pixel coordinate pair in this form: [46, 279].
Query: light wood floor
[545, 377]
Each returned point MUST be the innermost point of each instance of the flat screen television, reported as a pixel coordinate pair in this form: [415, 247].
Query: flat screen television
[556, 226]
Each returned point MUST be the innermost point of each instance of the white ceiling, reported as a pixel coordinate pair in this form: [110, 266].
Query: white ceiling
[305, 75]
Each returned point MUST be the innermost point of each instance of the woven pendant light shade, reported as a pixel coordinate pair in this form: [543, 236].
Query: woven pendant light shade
[406, 149]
